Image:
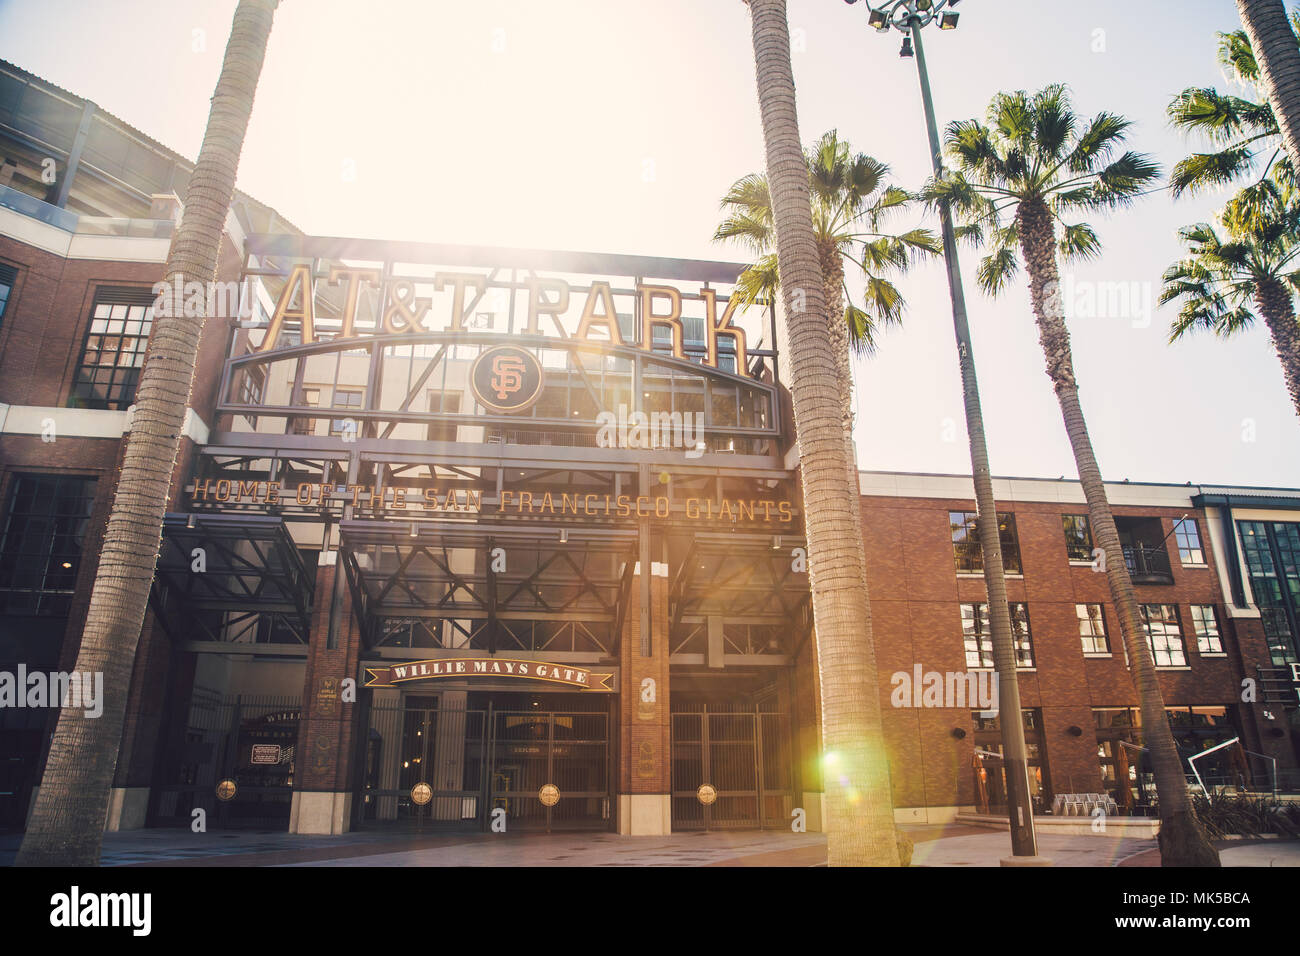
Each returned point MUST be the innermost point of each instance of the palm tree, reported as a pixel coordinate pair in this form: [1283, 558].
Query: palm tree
[1251, 264]
[859, 810]
[1278, 56]
[849, 202]
[1241, 130]
[67, 822]
[1016, 179]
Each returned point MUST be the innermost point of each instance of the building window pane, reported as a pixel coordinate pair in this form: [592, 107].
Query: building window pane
[113, 353]
[1164, 634]
[1189, 541]
[446, 402]
[978, 638]
[1277, 595]
[1078, 537]
[1092, 628]
[1206, 627]
[40, 542]
[966, 543]
[345, 398]
[8, 276]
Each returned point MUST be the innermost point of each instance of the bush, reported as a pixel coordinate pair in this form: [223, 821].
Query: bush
[1245, 815]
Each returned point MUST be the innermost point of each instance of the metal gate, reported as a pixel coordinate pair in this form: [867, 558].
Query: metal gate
[250, 740]
[568, 750]
[478, 761]
[443, 748]
[745, 757]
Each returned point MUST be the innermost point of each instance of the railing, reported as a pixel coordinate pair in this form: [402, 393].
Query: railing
[137, 228]
[40, 210]
[68, 221]
[1151, 565]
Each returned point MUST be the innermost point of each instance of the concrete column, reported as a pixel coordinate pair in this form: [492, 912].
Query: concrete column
[447, 753]
[644, 799]
[322, 799]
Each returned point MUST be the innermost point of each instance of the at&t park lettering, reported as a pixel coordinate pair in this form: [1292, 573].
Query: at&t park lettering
[463, 501]
[406, 312]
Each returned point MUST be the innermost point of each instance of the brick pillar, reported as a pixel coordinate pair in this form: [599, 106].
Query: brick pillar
[146, 707]
[1071, 761]
[324, 786]
[644, 800]
[806, 712]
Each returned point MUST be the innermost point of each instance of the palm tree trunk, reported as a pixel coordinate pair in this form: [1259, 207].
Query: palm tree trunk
[1278, 57]
[67, 822]
[1273, 300]
[832, 267]
[859, 811]
[1182, 839]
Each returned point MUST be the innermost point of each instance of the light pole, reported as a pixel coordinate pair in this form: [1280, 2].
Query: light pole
[909, 16]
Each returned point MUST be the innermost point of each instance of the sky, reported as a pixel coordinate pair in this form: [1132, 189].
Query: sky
[616, 126]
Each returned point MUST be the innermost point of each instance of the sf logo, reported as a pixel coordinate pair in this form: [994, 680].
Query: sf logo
[507, 375]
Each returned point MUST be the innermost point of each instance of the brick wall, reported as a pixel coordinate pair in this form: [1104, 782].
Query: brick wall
[915, 597]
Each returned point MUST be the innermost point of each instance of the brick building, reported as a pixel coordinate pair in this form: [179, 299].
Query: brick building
[453, 526]
[1208, 594]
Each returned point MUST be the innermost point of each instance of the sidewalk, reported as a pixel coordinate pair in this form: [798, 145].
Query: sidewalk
[934, 846]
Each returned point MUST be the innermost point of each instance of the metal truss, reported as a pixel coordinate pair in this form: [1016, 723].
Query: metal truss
[236, 578]
[507, 579]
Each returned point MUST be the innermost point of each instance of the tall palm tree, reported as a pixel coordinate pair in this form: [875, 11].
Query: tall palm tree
[1253, 263]
[1243, 133]
[1278, 56]
[850, 201]
[859, 810]
[1016, 179]
[67, 821]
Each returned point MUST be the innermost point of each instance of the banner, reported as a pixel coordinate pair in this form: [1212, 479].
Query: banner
[579, 678]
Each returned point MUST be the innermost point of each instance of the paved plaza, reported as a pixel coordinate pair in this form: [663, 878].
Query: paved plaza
[953, 845]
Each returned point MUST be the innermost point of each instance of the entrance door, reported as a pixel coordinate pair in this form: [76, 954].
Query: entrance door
[477, 761]
[251, 741]
[745, 757]
[568, 750]
[418, 742]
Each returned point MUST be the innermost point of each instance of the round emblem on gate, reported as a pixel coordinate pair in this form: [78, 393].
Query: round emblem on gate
[421, 794]
[506, 379]
[549, 795]
[226, 790]
[707, 794]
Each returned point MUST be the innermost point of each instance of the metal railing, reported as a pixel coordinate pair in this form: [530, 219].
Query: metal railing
[1144, 562]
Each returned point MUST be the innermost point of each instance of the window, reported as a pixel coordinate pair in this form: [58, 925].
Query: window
[307, 426]
[1164, 634]
[8, 276]
[966, 542]
[1078, 537]
[1092, 628]
[346, 398]
[448, 402]
[978, 637]
[1189, 541]
[40, 542]
[120, 322]
[1272, 553]
[1205, 624]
